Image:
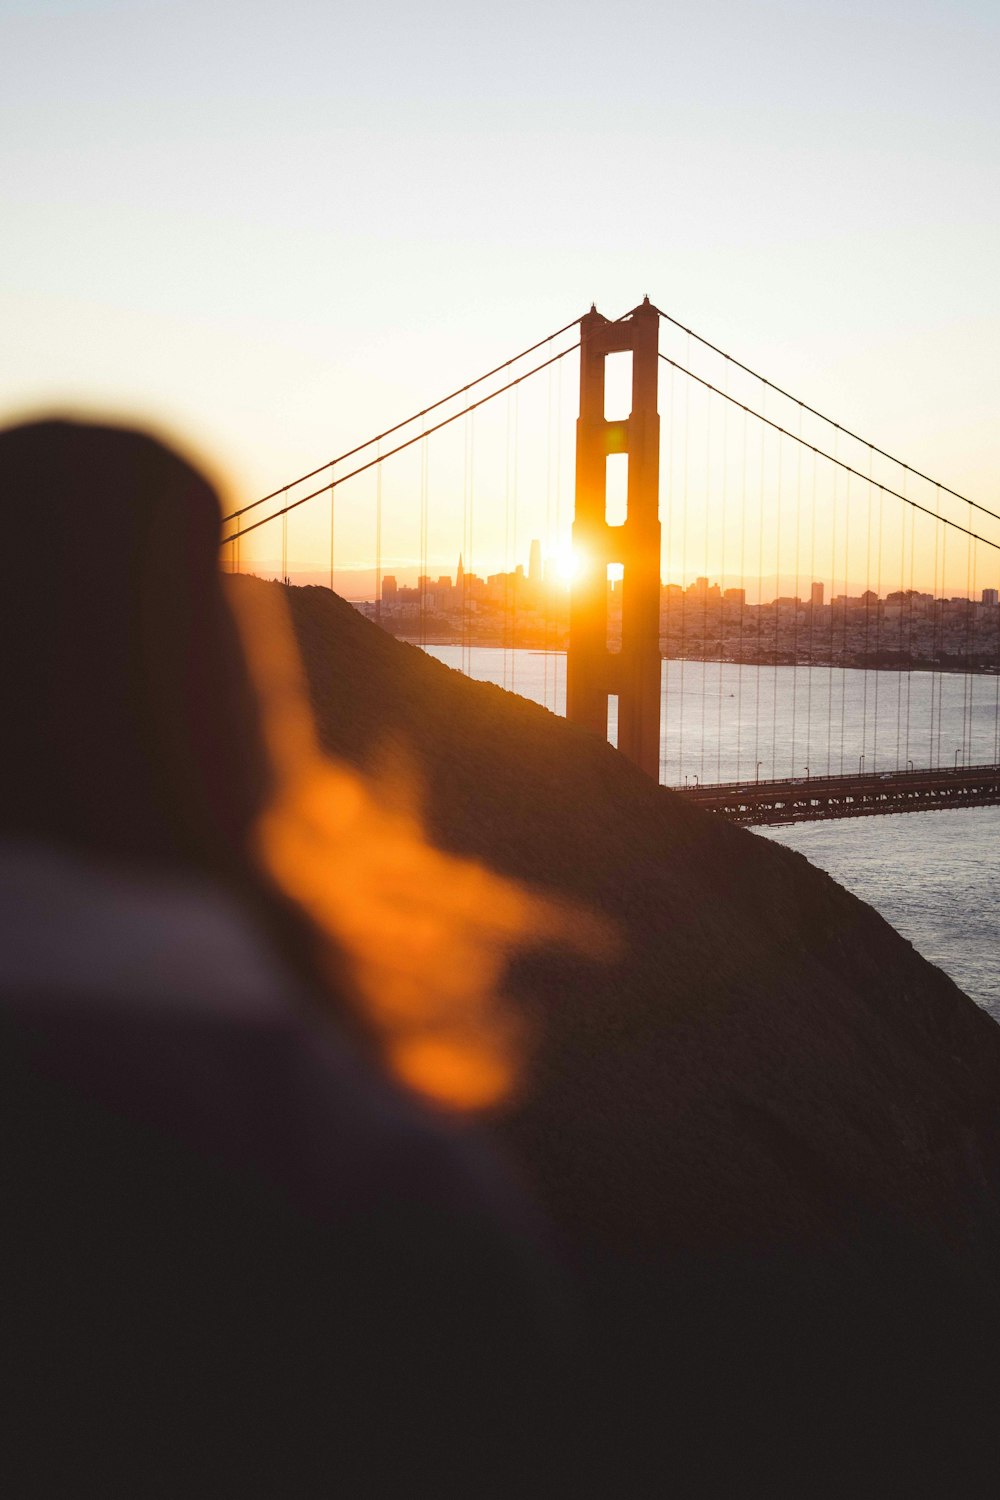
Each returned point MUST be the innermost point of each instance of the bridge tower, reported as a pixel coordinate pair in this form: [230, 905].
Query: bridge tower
[593, 672]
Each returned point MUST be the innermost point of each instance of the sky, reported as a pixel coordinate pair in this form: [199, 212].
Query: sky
[272, 229]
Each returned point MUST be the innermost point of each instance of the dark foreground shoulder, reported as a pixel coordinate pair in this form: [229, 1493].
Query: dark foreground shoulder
[239, 1262]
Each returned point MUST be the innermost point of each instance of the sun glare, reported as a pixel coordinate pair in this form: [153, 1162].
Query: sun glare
[566, 562]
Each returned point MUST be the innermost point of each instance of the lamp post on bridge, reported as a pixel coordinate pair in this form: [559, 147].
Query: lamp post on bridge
[757, 773]
[861, 761]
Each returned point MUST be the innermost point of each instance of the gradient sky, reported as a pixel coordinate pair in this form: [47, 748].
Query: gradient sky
[274, 228]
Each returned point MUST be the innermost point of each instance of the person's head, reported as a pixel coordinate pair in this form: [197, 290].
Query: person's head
[129, 723]
[132, 729]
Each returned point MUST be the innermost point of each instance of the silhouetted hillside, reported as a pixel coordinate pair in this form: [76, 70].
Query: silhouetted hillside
[770, 1133]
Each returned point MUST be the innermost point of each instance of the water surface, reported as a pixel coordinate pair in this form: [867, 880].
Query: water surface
[935, 876]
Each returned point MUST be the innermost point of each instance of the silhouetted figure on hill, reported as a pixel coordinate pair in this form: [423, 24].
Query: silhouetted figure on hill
[238, 1260]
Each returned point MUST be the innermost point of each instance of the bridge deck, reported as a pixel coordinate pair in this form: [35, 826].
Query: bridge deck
[805, 799]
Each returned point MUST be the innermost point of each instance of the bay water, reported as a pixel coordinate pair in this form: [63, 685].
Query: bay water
[935, 876]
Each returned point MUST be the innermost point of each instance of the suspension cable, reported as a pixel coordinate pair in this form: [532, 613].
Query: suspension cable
[362, 468]
[381, 436]
[829, 420]
[838, 461]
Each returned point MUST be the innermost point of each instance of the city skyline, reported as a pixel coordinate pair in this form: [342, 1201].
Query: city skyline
[407, 572]
[531, 607]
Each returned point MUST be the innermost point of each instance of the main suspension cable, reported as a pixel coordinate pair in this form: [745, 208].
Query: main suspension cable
[838, 461]
[829, 420]
[381, 436]
[380, 458]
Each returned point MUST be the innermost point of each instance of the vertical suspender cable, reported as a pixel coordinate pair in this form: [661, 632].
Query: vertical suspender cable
[777, 608]
[470, 561]
[996, 699]
[684, 566]
[843, 643]
[464, 554]
[944, 574]
[878, 622]
[935, 617]
[705, 620]
[422, 582]
[970, 638]
[798, 585]
[742, 586]
[909, 641]
[899, 637]
[834, 477]
[546, 612]
[506, 548]
[868, 614]
[812, 616]
[378, 470]
[378, 537]
[722, 578]
[517, 450]
[760, 587]
[561, 657]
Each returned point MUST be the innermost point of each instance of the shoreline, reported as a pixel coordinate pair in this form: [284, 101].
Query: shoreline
[929, 668]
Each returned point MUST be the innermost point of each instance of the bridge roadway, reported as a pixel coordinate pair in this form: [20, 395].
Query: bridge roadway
[807, 799]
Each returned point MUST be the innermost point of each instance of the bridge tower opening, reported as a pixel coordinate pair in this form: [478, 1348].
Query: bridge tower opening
[593, 672]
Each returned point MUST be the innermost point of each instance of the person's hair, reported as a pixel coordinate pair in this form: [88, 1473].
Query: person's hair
[131, 728]
[134, 729]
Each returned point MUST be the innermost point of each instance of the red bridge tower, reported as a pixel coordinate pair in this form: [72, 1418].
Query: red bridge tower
[593, 672]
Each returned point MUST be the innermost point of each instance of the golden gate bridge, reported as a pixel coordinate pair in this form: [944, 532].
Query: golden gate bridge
[761, 608]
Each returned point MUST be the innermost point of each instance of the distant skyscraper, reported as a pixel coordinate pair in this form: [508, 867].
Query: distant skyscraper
[535, 563]
[460, 573]
[816, 596]
[991, 596]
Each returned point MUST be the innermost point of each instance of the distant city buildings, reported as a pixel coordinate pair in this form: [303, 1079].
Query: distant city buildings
[500, 609]
[905, 629]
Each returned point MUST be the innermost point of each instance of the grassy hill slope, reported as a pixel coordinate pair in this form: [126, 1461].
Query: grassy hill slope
[769, 1133]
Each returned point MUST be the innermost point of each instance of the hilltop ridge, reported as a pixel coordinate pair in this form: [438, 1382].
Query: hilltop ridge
[768, 1134]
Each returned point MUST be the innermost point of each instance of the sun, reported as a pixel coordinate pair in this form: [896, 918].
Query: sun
[566, 562]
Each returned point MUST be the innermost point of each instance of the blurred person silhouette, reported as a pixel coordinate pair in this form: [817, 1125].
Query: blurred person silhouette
[241, 1258]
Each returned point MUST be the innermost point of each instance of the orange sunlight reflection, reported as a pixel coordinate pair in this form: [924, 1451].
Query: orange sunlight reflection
[426, 935]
